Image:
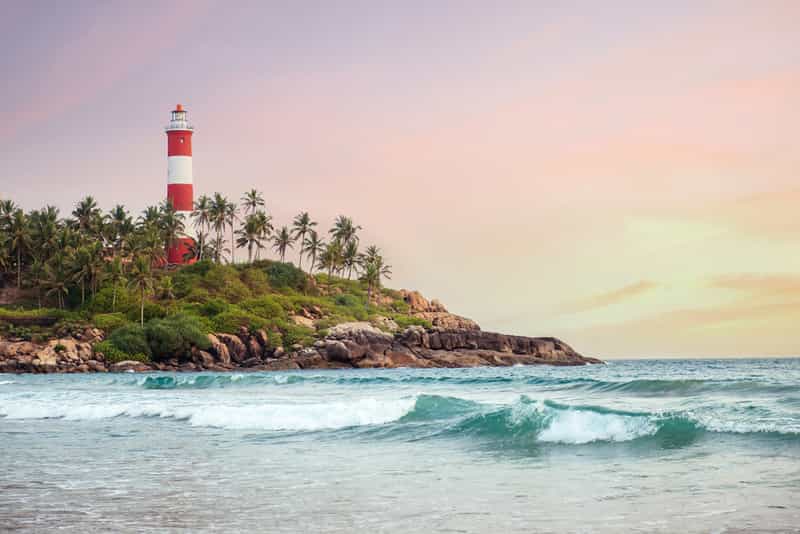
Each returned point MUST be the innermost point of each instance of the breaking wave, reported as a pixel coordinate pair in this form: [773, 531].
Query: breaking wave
[520, 423]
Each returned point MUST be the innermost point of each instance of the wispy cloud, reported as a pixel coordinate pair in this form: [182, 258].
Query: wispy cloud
[609, 298]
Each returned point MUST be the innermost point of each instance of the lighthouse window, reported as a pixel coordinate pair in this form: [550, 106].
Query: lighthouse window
[181, 139]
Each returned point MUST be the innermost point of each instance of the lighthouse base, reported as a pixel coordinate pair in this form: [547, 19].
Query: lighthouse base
[179, 253]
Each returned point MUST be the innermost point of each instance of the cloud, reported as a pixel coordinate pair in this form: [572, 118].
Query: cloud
[786, 286]
[609, 298]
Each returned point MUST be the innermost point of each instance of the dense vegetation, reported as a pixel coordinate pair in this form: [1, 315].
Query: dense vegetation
[110, 271]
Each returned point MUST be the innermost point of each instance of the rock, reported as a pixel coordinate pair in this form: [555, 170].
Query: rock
[302, 321]
[251, 362]
[416, 302]
[254, 348]
[219, 349]
[262, 338]
[203, 359]
[337, 351]
[447, 321]
[236, 349]
[385, 324]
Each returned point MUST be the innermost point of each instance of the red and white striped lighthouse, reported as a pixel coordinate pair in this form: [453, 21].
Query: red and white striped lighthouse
[179, 176]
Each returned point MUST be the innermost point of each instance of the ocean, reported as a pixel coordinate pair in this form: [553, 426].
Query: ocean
[632, 446]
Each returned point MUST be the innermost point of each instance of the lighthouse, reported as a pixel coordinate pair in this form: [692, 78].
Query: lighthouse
[179, 176]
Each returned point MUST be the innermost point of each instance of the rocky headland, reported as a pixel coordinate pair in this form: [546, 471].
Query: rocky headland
[450, 341]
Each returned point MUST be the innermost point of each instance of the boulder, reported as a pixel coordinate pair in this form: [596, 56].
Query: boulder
[236, 349]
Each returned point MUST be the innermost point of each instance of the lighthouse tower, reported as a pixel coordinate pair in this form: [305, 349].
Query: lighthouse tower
[179, 175]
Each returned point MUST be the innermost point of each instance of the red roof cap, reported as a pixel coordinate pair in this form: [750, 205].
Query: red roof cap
[179, 108]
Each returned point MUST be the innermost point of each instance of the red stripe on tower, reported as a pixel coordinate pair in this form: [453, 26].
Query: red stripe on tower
[179, 176]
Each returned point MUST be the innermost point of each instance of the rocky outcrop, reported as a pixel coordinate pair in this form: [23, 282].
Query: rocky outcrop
[435, 312]
[349, 345]
[63, 355]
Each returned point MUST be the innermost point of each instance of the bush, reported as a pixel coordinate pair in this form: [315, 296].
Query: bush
[175, 336]
[108, 322]
[283, 275]
[235, 318]
[131, 339]
[298, 334]
[103, 300]
[404, 321]
[59, 348]
[346, 300]
[256, 280]
[267, 307]
[224, 281]
[214, 306]
[114, 355]
[152, 310]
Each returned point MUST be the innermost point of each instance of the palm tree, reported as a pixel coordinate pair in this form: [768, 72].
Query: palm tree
[313, 246]
[166, 290]
[19, 231]
[374, 268]
[38, 277]
[252, 200]
[344, 230]
[57, 275]
[116, 275]
[264, 225]
[120, 227]
[86, 214]
[231, 216]
[218, 215]
[251, 235]
[282, 241]
[202, 221]
[80, 269]
[171, 224]
[141, 279]
[301, 225]
[150, 217]
[331, 258]
[350, 257]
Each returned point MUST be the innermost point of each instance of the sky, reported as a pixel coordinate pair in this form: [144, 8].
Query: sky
[622, 175]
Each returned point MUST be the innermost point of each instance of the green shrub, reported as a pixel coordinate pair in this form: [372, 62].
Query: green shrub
[298, 334]
[223, 280]
[214, 306]
[286, 275]
[131, 339]
[103, 301]
[174, 336]
[114, 355]
[109, 322]
[404, 321]
[400, 306]
[59, 348]
[256, 280]
[235, 318]
[152, 310]
[267, 307]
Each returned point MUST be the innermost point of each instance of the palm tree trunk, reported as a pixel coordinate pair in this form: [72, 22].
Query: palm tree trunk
[114, 298]
[233, 245]
[83, 291]
[19, 267]
[141, 312]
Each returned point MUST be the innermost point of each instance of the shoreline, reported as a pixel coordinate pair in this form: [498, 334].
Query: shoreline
[347, 346]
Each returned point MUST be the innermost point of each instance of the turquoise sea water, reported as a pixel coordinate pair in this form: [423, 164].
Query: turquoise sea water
[633, 446]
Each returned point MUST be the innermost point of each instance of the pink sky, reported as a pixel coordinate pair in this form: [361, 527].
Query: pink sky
[624, 176]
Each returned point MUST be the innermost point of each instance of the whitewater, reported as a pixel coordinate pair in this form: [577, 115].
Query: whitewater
[639, 445]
